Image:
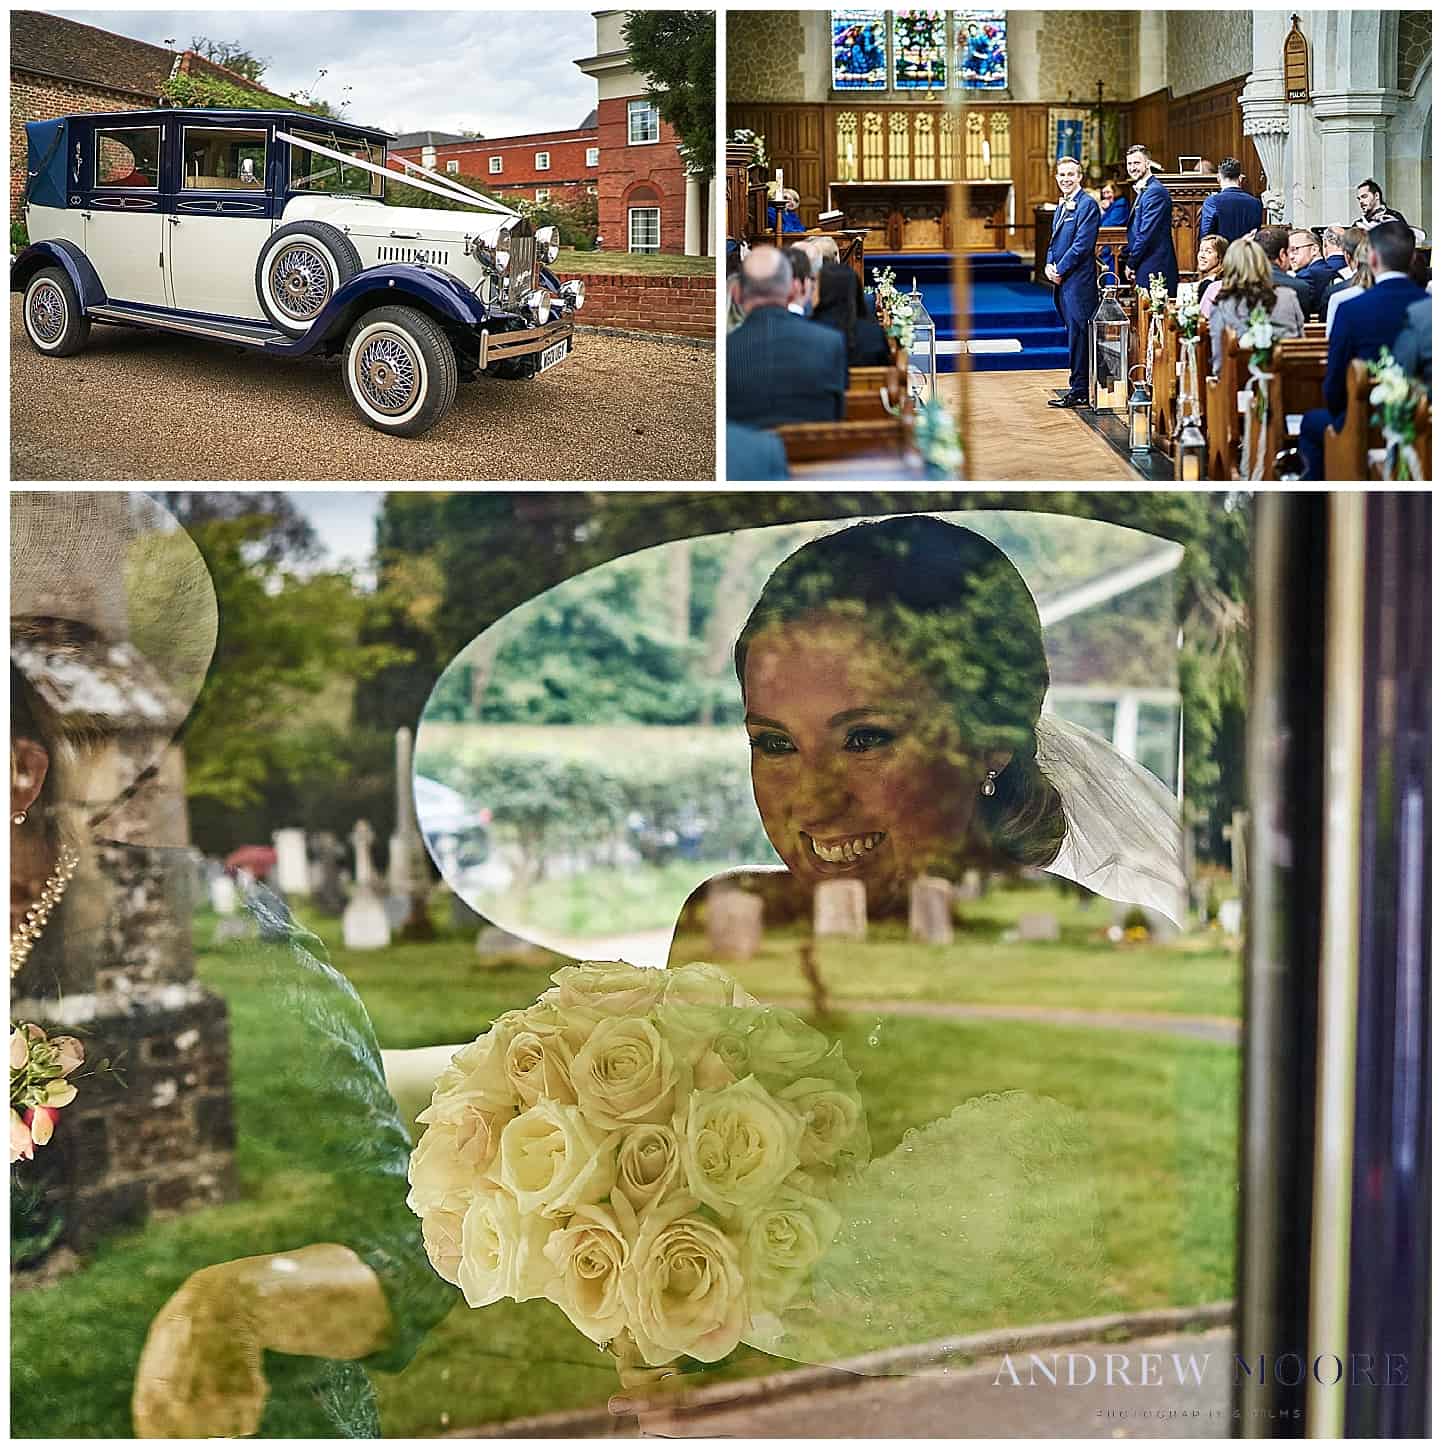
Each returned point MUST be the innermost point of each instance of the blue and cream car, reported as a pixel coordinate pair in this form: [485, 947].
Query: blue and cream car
[269, 229]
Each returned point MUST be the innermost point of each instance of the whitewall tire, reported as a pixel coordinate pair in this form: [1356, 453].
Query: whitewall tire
[301, 267]
[54, 322]
[399, 370]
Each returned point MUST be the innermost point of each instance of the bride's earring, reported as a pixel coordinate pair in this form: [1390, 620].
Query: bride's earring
[988, 786]
[19, 817]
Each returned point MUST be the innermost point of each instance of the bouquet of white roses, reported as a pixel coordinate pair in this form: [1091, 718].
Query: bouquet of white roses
[653, 1151]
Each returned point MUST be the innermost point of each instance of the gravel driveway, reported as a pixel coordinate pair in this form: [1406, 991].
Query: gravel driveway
[140, 405]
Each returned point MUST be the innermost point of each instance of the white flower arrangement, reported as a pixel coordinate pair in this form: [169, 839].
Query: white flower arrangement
[1260, 335]
[653, 1151]
[1188, 312]
[754, 139]
[1394, 394]
[939, 441]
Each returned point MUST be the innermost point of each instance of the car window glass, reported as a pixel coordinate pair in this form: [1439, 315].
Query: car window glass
[128, 157]
[215, 159]
[310, 171]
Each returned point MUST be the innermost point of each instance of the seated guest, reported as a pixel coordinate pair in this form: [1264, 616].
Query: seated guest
[866, 344]
[1353, 238]
[1414, 343]
[790, 211]
[754, 456]
[1369, 198]
[1247, 282]
[1210, 251]
[1115, 208]
[734, 252]
[803, 283]
[1360, 330]
[1206, 168]
[1309, 265]
[780, 368]
[1360, 281]
[1273, 240]
[1229, 211]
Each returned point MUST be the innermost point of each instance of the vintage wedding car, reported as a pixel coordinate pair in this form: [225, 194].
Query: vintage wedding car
[268, 229]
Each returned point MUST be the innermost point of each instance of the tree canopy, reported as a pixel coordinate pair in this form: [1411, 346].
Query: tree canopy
[676, 50]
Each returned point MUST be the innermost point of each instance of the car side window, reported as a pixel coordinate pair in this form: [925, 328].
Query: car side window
[128, 157]
[310, 171]
[223, 159]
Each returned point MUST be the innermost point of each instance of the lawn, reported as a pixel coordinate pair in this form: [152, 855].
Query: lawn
[1155, 1128]
[637, 264]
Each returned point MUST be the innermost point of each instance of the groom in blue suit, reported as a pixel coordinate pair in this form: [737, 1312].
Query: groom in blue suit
[1149, 231]
[1071, 267]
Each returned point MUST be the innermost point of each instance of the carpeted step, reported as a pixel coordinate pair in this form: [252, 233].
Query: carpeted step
[1026, 361]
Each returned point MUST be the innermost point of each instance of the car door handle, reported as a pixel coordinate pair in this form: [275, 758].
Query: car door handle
[173, 220]
[406, 235]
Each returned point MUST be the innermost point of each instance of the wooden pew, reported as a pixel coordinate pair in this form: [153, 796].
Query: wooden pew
[1164, 385]
[1314, 329]
[1224, 422]
[1299, 366]
[1345, 451]
[870, 447]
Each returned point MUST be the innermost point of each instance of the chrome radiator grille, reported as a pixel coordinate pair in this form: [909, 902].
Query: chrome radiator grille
[521, 274]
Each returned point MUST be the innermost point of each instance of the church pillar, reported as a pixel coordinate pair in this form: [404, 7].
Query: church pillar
[1265, 114]
[693, 214]
[1354, 146]
[1151, 52]
[711, 216]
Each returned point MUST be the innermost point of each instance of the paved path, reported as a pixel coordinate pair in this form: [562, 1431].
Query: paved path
[146, 405]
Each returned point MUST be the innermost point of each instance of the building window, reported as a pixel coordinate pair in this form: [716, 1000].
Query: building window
[543, 160]
[428, 157]
[453, 168]
[543, 193]
[645, 229]
[643, 123]
[593, 155]
[495, 165]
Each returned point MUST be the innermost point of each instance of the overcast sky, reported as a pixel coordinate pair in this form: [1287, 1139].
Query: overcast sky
[503, 73]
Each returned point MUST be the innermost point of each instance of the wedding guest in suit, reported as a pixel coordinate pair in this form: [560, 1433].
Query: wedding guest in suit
[1210, 252]
[1374, 211]
[1356, 284]
[1308, 265]
[1360, 330]
[803, 284]
[1247, 283]
[753, 455]
[1414, 343]
[1071, 269]
[1354, 244]
[780, 368]
[1149, 249]
[1274, 240]
[1230, 212]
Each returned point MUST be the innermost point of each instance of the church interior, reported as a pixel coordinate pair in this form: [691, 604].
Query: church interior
[927, 143]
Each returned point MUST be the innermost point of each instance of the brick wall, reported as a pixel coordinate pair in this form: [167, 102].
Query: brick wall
[43, 98]
[681, 306]
[627, 169]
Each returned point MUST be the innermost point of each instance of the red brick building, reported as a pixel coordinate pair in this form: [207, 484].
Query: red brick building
[61, 68]
[554, 166]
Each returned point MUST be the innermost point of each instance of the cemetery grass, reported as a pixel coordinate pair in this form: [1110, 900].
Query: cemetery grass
[1160, 1114]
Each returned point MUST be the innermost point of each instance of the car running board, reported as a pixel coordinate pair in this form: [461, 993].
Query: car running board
[247, 334]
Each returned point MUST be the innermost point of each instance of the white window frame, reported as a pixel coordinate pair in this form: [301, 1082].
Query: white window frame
[543, 160]
[453, 168]
[497, 162]
[635, 109]
[543, 193]
[632, 213]
[593, 155]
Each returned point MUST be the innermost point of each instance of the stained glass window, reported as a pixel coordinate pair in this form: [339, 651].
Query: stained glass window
[981, 49]
[858, 50]
[920, 50]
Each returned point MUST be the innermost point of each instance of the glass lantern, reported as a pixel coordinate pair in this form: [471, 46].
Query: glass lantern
[1191, 452]
[1110, 343]
[1139, 413]
[921, 377]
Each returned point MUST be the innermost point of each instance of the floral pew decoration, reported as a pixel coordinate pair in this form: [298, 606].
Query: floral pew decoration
[1259, 340]
[1397, 399]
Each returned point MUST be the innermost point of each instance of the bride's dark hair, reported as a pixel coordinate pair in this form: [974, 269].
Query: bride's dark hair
[954, 608]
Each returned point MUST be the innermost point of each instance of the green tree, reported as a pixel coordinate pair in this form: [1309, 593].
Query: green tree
[676, 51]
[232, 55]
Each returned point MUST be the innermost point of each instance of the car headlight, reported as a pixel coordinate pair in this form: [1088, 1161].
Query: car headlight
[548, 239]
[538, 303]
[575, 293]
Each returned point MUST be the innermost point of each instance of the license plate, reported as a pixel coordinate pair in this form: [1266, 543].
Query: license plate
[555, 353]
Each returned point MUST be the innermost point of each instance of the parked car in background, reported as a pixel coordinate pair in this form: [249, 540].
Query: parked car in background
[269, 229]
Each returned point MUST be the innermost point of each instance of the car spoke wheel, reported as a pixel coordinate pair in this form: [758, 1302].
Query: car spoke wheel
[387, 372]
[55, 322]
[300, 281]
[47, 313]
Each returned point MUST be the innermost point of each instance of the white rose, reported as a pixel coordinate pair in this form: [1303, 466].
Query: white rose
[503, 1252]
[589, 1255]
[456, 1151]
[702, 984]
[648, 1165]
[830, 1117]
[538, 1064]
[609, 988]
[781, 1243]
[738, 1143]
[478, 1071]
[552, 1160]
[683, 1289]
[625, 1074]
[782, 1045]
[441, 1227]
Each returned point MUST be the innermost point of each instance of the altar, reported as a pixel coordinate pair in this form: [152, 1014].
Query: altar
[899, 216]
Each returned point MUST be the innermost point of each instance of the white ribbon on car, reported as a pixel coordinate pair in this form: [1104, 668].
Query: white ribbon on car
[451, 191]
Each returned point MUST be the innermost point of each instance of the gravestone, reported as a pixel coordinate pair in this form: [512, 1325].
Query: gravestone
[364, 926]
[1039, 926]
[1229, 914]
[971, 885]
[930, 916]
[733, 923]
[327, 893]
[292, 870]
[839, 909]
[222, 895]
[408, 880]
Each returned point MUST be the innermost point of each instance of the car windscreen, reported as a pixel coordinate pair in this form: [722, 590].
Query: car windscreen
[310, 171]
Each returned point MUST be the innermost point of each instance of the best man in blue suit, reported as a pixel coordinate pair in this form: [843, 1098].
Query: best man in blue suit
[1149, 230]
[1071, 267]
[1361, 329]
[1230, 212]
